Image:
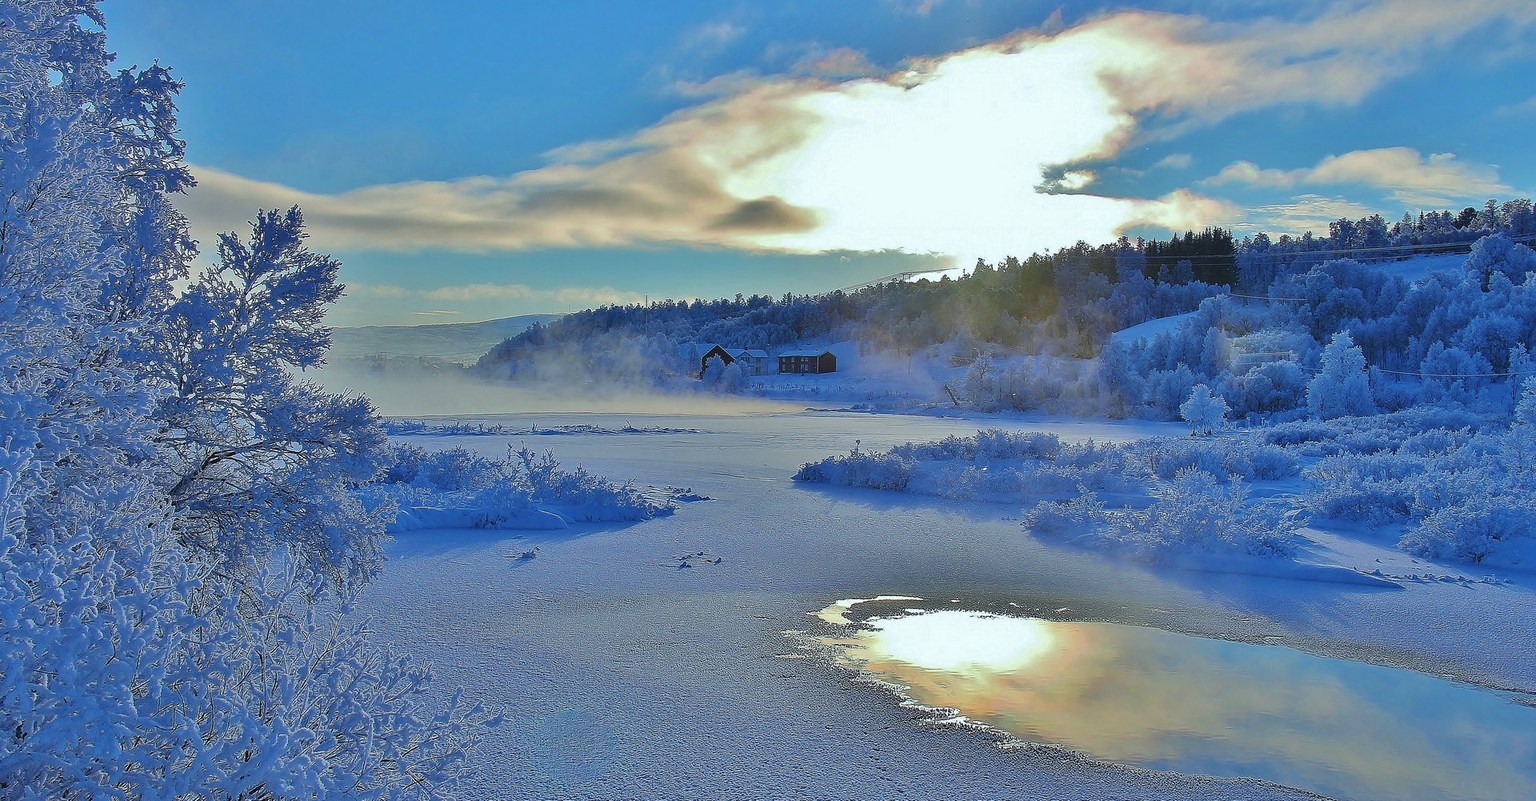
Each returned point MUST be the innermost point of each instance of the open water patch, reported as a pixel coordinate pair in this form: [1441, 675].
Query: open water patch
[1166, 701]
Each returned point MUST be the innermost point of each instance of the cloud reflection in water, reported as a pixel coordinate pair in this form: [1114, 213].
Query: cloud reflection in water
[1169, 701]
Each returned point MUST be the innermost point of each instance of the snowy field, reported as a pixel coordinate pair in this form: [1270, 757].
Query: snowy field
[652, 660]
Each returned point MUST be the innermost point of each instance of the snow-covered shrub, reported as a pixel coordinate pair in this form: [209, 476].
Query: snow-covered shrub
[1082, 514]
[1229, 456]
[998, 465]
[1470, 531]
[1203, 411]
[493, 491]
[1192, 514]
[876, 471]
[579, 493]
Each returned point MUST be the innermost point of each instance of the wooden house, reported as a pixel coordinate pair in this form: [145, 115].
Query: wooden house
[753, 361]
[714, 352]
[807, 361]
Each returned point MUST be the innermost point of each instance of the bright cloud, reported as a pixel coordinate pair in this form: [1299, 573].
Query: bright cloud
[969, 154]
[1411, 179]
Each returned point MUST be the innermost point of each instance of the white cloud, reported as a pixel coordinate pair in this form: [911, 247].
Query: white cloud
[944, 157]
[1404, 172]
[1173, 161]
[1183, 210]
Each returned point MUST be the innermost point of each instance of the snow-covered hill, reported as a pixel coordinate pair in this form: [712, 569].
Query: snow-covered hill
[461, 343]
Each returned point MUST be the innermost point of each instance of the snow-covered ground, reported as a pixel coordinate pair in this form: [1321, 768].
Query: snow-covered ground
[1151, 328]
[651, 659]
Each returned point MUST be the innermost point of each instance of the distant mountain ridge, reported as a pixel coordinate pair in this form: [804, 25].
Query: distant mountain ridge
[461, 343]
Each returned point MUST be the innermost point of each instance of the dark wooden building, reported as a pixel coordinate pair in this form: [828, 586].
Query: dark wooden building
[807, 361]
[715, 352]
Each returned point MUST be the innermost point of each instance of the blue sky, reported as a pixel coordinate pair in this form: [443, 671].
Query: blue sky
[483, 159]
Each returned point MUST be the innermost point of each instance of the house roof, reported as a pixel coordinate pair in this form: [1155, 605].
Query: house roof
[753, 353]
[806, 352]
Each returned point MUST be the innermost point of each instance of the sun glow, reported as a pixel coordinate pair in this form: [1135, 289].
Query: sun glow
[960, 642]
[952, 162]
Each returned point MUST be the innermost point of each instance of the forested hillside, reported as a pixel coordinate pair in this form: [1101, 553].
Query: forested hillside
[1064, 303]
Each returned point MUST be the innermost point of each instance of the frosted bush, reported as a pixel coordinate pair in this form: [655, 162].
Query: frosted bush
[458, 478]
[1236, 456]
[1083, 514]
[1470, 531]
[995, 465]
[884, 471]
[1194, 514]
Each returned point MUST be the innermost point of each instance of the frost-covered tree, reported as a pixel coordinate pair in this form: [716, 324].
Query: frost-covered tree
[1341, 388]
[1203, 410]
[714, 370]
[1498, 253]
[257, 458]
[131, 668]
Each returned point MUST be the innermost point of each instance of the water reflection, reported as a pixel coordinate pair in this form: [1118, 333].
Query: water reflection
[1169, 701]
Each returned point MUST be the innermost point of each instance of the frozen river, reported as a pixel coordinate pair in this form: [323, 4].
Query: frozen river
[629, 676]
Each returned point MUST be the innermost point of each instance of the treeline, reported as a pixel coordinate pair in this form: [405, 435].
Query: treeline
[1064, 303]
[1462, 336]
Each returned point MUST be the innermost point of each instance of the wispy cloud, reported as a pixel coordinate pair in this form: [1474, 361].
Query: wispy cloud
[712, 37]
[1173, 161]
[591, 296]
[921, 8]
[1188, 66]
[944, 157]
[1524, 107]
[836, 64]
[470, 293]
[1306, 212]
[1408, 176]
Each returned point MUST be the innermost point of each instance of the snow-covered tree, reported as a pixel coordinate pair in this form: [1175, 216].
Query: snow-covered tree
[257, 458]
[1341, 388]
[1203, 410]
[132, 669]
[1498, 253]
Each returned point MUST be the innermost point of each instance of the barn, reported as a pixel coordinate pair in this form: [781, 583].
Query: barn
[807, 361]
